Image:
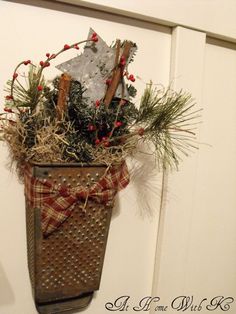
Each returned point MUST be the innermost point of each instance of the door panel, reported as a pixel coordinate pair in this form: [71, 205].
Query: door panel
[213, 231]
[196, 254]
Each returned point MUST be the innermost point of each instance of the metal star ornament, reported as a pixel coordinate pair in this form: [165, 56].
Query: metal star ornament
[93, 67]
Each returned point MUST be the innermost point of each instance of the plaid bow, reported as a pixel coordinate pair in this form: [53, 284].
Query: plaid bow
[57, 203]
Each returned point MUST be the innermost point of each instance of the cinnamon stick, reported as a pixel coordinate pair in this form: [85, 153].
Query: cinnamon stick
[117, 57]
[117, 76]
[64, 87]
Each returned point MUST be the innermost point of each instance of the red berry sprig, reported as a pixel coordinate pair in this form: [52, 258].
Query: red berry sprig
[14, 75]
[94, 37]
[118, 124]
[27, 62]
[131, 78]
[122, 61]
[106, 143]
[8, 110]
[66, 47]
[141, 131]
[39, 88]
[91, 127]
[108, 82]
[97, 103]
[46, 63]
[9, 97]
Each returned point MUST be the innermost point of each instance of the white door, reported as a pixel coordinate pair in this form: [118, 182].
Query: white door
[129, 261]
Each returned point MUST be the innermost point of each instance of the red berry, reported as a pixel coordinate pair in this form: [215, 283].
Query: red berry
[104, 138]
[66, 47]
[108, 82]
[91, 127]
[8, 110]
[14, 75]
[122, 60]
[27, 62]
[9, 97]
[141, 131]
[106, 144]
[123, 102]
[76, 46]
[97, 141]
[94, 37]
[53, 56]
[118, 123]
[47, 64]
[131, 78]
[47, 54]
[97, 103]
[41, 63]
[40, 88]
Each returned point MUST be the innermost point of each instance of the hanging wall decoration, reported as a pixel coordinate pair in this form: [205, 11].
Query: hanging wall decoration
[69, 140]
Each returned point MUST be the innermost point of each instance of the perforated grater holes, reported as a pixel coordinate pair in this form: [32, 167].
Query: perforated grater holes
[69, 261]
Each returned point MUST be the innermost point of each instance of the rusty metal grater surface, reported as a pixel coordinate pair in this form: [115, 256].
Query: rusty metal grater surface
[69, 262]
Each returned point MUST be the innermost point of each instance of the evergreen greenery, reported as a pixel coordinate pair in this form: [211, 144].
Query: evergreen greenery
[88, 133]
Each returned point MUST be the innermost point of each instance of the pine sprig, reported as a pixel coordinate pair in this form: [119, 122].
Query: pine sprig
[27, 96]
[164, 115]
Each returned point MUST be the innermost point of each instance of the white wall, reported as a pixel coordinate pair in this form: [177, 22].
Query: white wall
[212, 16]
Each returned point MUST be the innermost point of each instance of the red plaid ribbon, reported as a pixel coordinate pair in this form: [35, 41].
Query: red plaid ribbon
[57, 203]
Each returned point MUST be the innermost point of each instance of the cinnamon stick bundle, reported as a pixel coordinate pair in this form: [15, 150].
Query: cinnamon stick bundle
[64, 88]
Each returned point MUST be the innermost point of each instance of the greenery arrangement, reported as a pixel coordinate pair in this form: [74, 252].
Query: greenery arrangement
[56, 122]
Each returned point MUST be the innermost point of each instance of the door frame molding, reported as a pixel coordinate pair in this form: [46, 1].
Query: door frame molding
[177, 210]
[112, 9]
[154, 19]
